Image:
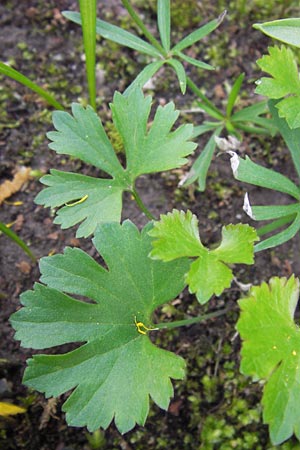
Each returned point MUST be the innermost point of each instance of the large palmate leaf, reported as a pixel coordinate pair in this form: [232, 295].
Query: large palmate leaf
[271, 351]
[92, 201]
[117, 367]
[282, 66]
[176, 236]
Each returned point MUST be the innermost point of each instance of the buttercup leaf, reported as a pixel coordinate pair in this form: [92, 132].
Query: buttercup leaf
[82, 135]
[176, 235]
[117, 367]
[282, 66]
[271, 351]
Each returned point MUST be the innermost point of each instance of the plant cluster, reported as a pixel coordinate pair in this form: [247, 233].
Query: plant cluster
[117, 368]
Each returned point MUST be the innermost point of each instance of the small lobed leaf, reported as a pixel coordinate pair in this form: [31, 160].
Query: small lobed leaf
[271, 351]
[85, 200]
[176, 236]
[116, 368]
[282, 66]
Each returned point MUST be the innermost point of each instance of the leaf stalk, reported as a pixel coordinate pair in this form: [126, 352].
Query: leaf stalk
[186, 322]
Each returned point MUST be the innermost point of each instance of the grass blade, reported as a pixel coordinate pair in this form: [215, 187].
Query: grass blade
[88, 14]
[164, 22]
[200, 167]
[280, 238]
[17, 76]
[17, 240]
[234, 93]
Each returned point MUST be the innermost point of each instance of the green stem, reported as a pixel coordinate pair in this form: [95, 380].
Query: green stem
[141, 205]
[183, 323]
[88, 14]
[143, 28]
[205, 100]
[15, 238]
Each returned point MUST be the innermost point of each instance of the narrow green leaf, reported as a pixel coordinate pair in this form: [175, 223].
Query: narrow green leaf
[193, 61]
[203, 97]
[234, 94]
[280, 238]
[118, 35]
[251, 112]
[196, 35]
[17, 76]
[164, 22]
[176, 235]
[291, 137]
[274, 211]
[117, 368]
[144, 76]
[180, 72]
[199, 169]
[17, 240]
[285, 30]
[249, 172]
[204, 128]
[212, 112]
[88, 14]
[275, 225]
[271, 351]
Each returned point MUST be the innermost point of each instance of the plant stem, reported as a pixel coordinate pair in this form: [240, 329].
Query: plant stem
[143, 28]
[205, 100]
[88, 14]
[141, 205]
[186, 322]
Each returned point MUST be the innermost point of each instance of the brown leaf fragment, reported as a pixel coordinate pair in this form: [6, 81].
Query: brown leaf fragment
[8, 188]
[24, 267]
[49, 411]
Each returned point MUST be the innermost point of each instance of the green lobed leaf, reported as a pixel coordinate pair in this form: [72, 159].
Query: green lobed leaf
[282, 66]
[271, 351]
[117, 367]
[154, 150]
[176, 235]
[97, 200]
[285, 30]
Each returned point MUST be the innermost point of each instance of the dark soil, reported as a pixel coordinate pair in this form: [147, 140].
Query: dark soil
[48, 49]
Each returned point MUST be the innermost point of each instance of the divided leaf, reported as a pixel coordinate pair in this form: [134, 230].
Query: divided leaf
[94, 200]
[117, 367]
[271, 351]
[176, 236]
[282, 66]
